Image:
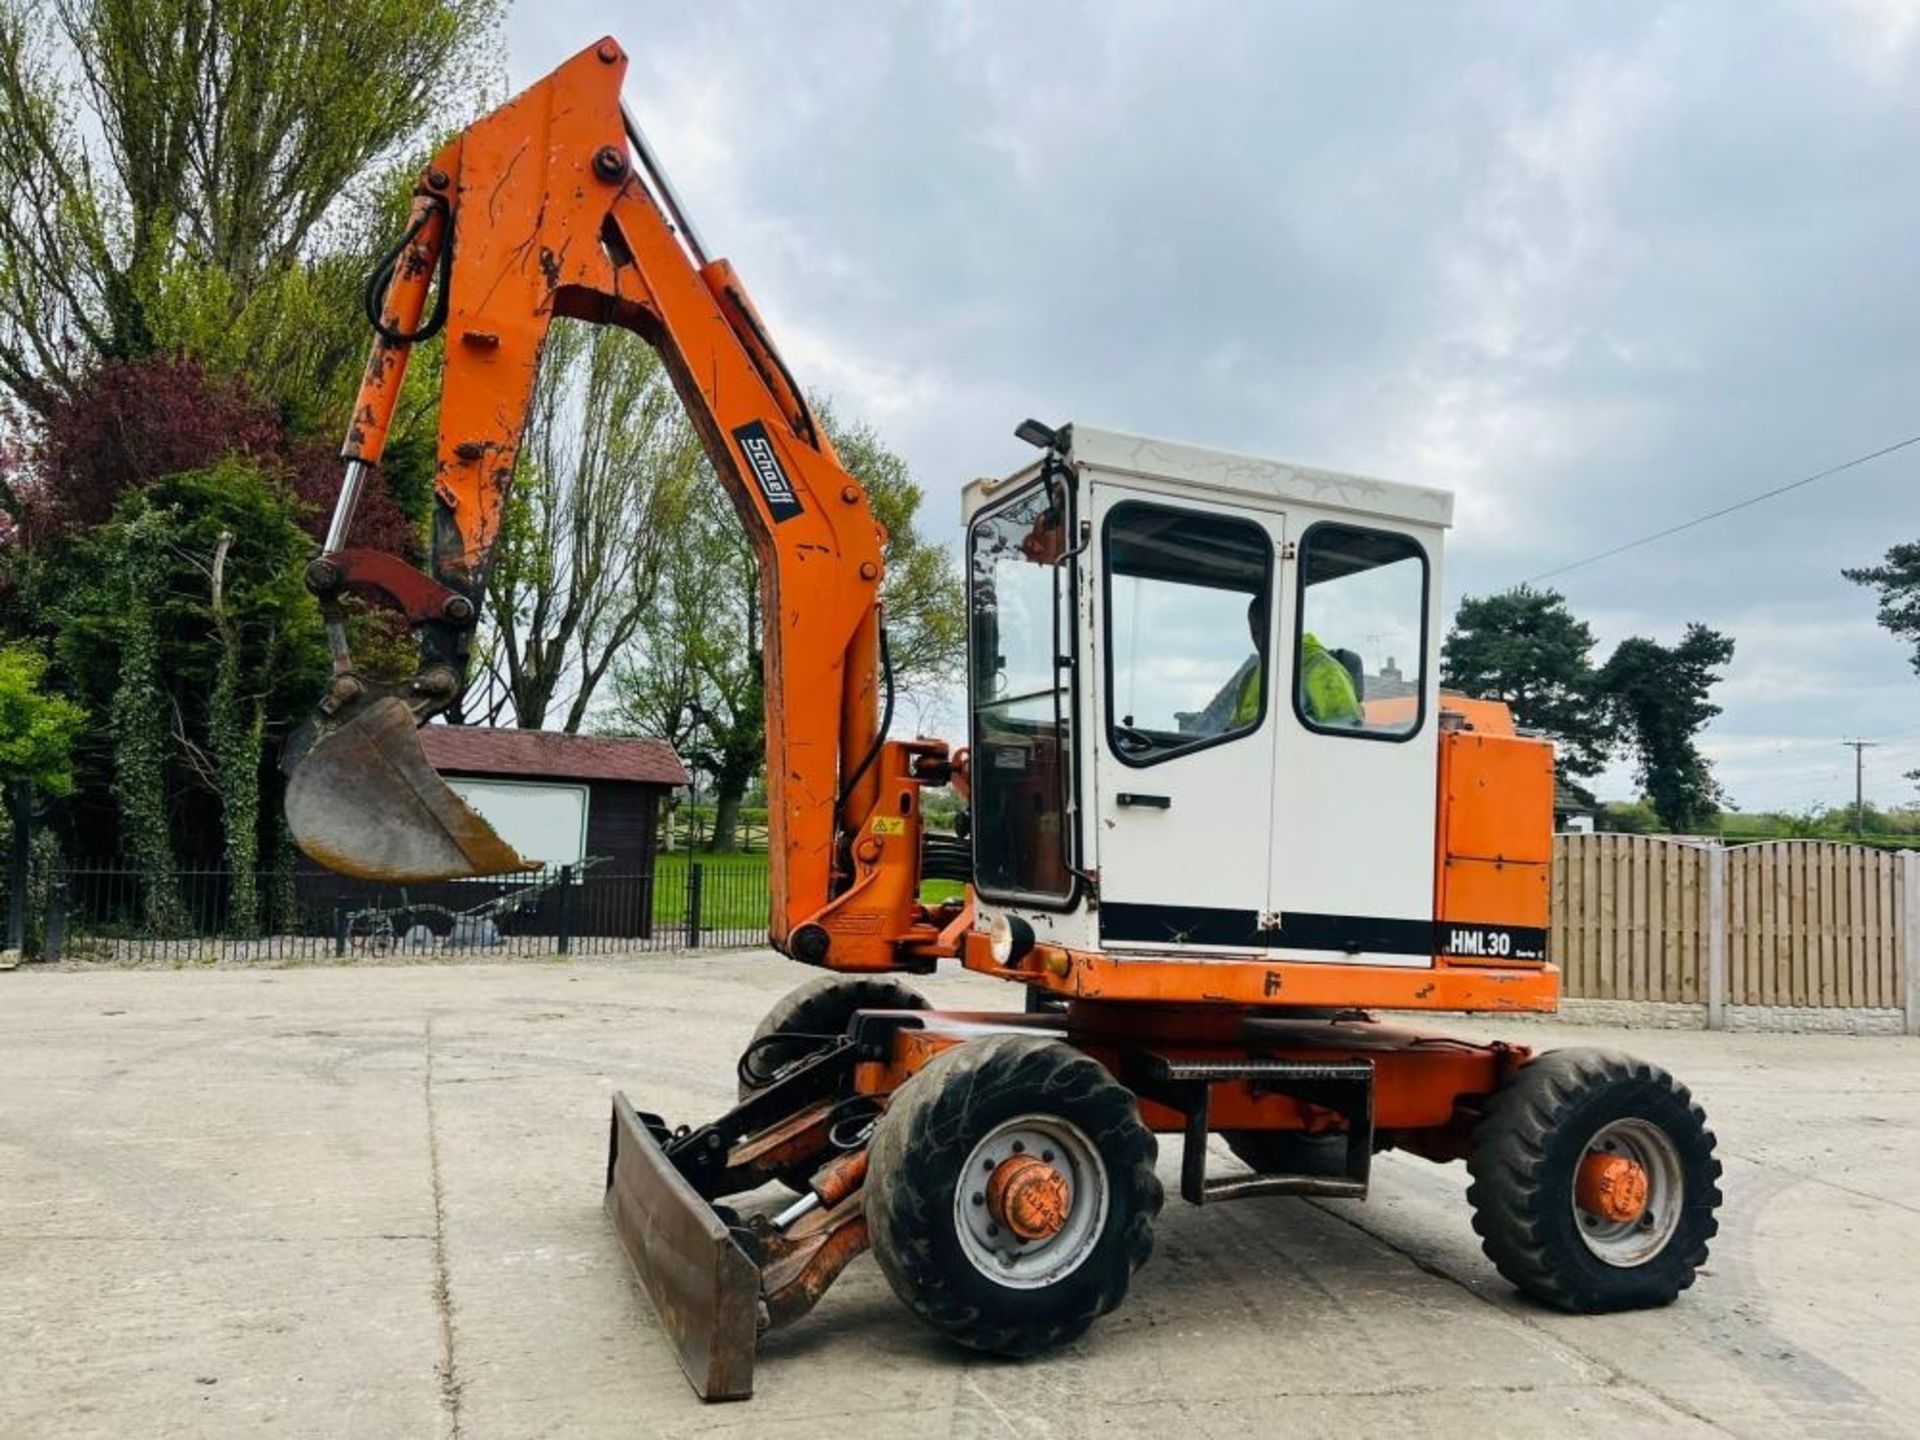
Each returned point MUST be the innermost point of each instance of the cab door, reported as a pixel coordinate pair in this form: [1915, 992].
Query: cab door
[1357, 757]
[1184, 687]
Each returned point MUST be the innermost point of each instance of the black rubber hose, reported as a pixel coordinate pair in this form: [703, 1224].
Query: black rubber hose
[374, 297]
[886, 723]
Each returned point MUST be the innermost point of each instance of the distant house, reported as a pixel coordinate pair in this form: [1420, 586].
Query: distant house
[590, 802]
[1389, 684]
[1572, 814]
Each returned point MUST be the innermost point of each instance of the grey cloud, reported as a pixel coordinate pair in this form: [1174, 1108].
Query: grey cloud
[1597, 268]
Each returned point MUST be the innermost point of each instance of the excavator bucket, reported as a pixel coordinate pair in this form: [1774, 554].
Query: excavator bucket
[363, 801]
[704, 1285]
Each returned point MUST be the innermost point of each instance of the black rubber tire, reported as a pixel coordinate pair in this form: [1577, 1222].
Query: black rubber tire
[822, 1006]
[1526, 1152]
[1288, 1152]
[926, 1136]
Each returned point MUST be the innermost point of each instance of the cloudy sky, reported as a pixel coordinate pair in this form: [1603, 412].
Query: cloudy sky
[1597, 268]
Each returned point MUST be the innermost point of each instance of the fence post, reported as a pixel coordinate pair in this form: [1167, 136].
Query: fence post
[1716, 937]
[696, 873]
[54, 938]
[566, 909]
[339, 932]
[1910, 935]
[20, 811]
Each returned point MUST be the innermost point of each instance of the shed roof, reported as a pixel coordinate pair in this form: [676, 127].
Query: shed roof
[548, 754]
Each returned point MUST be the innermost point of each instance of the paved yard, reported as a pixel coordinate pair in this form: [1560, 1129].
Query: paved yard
[335, 1202]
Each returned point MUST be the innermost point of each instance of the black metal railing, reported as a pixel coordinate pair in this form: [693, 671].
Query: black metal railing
[116, 914]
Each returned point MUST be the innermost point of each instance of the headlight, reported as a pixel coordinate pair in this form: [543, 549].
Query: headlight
[1009, 938]
[1000, 938]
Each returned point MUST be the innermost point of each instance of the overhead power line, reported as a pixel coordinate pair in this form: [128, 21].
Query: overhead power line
[1750, 501]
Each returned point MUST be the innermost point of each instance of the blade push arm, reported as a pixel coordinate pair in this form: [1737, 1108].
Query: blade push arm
[544, 209]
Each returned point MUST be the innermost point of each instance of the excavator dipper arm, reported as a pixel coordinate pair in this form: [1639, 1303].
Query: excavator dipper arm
[553, 206]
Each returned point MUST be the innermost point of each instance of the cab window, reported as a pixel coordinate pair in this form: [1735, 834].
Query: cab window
[1359, 662]
[1020, 631]
[1187, 624]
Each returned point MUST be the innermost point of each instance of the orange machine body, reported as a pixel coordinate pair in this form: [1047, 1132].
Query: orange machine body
[1494, 851]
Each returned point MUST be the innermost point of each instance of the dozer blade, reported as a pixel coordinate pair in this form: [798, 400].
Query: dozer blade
[704, 1286]
[364, 801]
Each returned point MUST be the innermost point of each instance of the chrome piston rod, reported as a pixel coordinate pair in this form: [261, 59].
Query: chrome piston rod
[344, 506]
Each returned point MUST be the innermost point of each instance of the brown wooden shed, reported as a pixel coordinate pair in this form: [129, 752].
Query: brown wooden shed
[624, 780]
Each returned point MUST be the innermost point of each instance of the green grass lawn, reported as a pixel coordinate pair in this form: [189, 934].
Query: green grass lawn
[733, 890]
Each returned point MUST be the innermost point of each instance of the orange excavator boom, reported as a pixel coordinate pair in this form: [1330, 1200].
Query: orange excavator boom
[554, 206]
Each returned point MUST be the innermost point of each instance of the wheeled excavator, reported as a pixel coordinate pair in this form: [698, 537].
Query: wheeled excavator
[1219, 814]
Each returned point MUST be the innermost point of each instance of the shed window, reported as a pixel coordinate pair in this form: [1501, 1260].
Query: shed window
[545, 822]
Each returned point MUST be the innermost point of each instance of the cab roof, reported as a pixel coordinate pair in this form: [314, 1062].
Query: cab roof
[1202, 468]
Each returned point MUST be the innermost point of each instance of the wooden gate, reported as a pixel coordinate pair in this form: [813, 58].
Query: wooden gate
[1812, 922]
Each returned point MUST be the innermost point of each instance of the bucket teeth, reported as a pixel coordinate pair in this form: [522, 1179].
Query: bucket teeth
[363, 801]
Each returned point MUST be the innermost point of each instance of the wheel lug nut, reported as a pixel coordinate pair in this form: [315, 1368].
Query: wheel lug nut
[987, 1164]
[1019, 1147]
[978, 1198]
[1047, 1155]
[992, 1229]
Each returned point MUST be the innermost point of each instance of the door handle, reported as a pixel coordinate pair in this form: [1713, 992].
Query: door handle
[1129, 800]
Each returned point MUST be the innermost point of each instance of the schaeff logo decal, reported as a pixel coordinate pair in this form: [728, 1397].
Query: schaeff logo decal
[764, 465]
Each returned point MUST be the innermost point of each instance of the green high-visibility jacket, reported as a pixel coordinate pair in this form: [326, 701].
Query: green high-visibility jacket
[1326, 689]
[1246, 705]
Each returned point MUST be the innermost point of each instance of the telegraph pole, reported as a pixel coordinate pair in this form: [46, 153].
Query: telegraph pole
[1859, 748]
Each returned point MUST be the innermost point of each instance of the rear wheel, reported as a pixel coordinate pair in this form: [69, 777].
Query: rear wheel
[808, 1019]
[1594, 1182]
[1011, 1193]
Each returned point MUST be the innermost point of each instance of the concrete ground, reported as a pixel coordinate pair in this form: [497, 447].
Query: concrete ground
[366, 1202]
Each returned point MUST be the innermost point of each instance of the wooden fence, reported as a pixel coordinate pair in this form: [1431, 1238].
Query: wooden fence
[1780, 923]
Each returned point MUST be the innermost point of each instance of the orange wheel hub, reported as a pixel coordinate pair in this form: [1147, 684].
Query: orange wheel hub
[1611, 1187]
[1029, 1197]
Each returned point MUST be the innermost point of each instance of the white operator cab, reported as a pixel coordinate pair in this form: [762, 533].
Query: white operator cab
[1162, 763]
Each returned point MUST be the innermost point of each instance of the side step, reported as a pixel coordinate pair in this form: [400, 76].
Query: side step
[1343, 1086]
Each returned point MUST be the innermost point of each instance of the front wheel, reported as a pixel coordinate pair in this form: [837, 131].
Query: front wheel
[1595, 1185]
[810, 1017]
[1011, 1193]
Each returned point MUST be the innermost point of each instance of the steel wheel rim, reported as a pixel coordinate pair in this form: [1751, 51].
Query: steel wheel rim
[1627, 1243]
[997, 1252]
